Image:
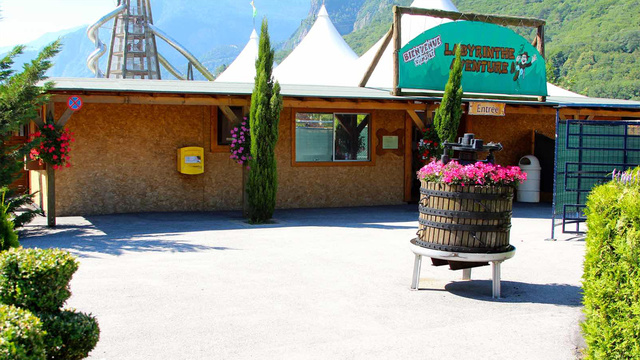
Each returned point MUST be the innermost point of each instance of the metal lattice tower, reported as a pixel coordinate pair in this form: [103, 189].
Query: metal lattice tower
[133, 53]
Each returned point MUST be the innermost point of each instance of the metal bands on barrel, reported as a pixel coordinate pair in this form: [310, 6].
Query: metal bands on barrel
[465, 227]
[505, 215]
[462, 249]
[464, 195]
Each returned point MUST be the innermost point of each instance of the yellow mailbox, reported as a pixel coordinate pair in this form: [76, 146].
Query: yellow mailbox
[191, 160]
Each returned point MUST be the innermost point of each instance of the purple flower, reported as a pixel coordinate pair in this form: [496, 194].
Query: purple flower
[234, 135]
[240, 162]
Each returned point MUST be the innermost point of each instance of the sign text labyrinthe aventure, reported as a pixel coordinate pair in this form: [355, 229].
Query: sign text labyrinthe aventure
[489, 55]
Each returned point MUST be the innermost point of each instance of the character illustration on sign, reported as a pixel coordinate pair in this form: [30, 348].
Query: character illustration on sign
[522, 62]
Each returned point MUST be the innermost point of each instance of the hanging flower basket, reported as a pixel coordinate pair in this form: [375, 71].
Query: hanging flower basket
[466, 208]
[52, 146]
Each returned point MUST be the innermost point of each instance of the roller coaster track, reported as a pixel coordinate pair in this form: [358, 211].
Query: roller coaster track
[93, 34]
[101, 48]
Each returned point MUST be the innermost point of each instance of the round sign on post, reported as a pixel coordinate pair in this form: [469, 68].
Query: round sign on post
[74, 103]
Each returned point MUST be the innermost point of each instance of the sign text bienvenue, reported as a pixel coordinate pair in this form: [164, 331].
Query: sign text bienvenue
[424, 52]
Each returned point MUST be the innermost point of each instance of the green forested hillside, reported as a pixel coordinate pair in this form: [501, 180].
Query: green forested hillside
[593, 46]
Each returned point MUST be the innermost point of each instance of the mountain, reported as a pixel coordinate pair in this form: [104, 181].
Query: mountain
[211, 30]
[593, 46]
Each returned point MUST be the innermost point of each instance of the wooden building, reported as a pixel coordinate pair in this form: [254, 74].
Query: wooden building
[128, 132]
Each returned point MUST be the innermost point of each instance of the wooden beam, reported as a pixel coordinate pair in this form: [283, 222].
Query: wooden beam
[408, 157]
[541, 50]
[363, 105]
[397, 44]
[228, 101]
[598, 112]
[416, 119]
[64, 118]
[157, 100]
[466, 97]
[377, 57]
[228, 113]
[531, 110]
[454, 15]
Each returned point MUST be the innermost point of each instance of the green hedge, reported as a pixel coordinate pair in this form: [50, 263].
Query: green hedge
[611, 279]
[21, 335]
[36, 279]
[70, 335]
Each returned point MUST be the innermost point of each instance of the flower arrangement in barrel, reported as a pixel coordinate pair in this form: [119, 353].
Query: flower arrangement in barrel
[241, 143]
[478, 174]
[52, 146]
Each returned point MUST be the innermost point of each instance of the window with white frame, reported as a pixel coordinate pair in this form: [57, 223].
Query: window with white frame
[329, 137]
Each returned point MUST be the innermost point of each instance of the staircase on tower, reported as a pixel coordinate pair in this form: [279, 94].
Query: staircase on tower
[133, 53]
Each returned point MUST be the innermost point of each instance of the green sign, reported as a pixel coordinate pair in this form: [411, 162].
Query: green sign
[495, 60]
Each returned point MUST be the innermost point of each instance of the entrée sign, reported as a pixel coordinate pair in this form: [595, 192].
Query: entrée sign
[487, 108]
[495, 60]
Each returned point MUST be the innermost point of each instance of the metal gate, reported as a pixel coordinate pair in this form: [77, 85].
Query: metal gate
[587, 152]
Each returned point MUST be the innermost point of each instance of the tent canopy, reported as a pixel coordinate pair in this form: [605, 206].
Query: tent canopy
[321, 58]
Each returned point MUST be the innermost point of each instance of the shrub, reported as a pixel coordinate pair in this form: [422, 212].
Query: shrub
[447, 118]
[36, 279]
[21, 335]
[8, 236]
[611, 272]
[69, 335]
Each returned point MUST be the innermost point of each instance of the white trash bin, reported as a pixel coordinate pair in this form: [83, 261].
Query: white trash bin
[529, 191]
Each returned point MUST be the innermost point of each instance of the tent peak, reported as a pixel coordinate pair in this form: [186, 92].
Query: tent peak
[323, 12]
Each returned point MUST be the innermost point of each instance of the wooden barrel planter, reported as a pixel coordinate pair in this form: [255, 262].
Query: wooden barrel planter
[471, 219]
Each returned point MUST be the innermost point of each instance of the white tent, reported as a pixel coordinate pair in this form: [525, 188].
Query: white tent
[243, 68]
[321, 58]
[558, 91]
[412, 26]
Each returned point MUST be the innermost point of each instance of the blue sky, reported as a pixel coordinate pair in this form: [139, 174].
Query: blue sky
[26, 20]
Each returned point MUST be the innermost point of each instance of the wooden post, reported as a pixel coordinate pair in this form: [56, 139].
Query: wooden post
[540, 48]
[397, 44]
[245, 175]
[376, 58]
[51, 196]
[51, 177]
[408, 157]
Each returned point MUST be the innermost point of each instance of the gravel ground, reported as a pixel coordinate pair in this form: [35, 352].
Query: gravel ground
[317, 284]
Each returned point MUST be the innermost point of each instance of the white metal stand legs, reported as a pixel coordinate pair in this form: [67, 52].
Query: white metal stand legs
[495, 276]
[495, 259]
[466, 274]
[417, 264]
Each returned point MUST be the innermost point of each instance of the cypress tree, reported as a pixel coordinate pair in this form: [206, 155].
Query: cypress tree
[447, 117]
[266, 105]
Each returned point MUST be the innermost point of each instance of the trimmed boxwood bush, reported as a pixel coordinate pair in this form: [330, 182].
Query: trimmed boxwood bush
[70, 335]
[611, 279]
[21, 335]
[36, 279]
